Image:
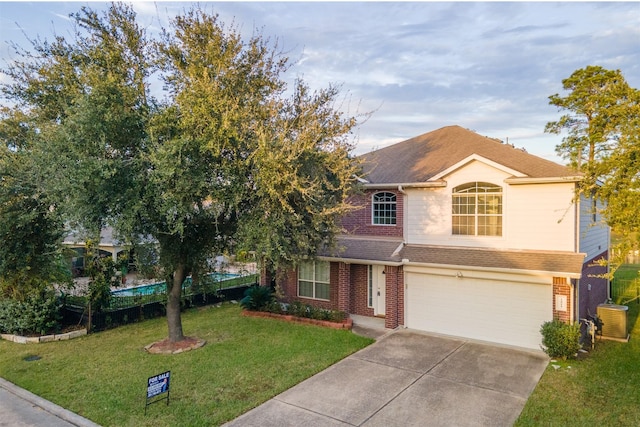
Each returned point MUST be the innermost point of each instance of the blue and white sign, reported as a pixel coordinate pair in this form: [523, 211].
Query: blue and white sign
[158, 384]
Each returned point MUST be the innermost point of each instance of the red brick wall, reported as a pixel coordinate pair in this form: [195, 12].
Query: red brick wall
[394, 299]
[593, 290]
[360, 221]
[359, 290]
[288, 282]
[561, 287]
[344, 287]
[348, 292]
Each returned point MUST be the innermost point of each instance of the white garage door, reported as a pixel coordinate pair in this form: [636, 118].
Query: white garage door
[502, 312]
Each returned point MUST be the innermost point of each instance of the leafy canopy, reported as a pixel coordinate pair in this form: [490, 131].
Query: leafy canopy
[602, 124]
[226, 159]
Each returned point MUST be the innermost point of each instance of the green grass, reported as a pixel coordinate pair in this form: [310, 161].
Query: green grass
[628, 272]
[245, 362]
[603, 389]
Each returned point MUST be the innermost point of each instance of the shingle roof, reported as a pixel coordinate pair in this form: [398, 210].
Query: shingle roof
[420, 158]
[372, 249]
[365, 248]
[546, 261]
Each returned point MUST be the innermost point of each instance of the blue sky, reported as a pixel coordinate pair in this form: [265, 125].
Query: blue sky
[486, 66]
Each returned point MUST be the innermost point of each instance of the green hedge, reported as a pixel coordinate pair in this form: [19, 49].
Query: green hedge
[36, 314]
[560, 339]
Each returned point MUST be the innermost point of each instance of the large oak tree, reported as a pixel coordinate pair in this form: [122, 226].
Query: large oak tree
[228, 158]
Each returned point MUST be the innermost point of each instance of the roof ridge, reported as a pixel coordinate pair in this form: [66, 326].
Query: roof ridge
[422, 157]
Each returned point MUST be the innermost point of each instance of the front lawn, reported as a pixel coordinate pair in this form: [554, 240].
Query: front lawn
[603, 389]
[246, 361]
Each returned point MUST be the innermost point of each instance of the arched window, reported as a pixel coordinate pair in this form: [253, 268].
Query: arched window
[477, 209]
[384, 209]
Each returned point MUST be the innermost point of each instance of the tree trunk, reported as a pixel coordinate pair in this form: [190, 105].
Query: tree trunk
[174, 319]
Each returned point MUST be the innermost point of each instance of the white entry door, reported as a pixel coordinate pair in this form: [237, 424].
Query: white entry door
[377, 288]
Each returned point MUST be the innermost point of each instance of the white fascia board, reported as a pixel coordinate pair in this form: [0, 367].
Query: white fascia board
[545, 180]
[360, 261]
[485, 272]
[391, 186]
[480, 159]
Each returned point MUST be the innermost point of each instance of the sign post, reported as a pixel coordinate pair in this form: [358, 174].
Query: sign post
[157, 385]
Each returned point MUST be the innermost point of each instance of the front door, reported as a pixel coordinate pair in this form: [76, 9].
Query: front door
[377, 289]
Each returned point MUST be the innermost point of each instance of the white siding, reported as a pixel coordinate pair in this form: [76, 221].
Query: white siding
[541, 217]
[538, 217]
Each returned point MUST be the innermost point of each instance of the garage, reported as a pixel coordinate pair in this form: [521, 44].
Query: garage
[502, 311]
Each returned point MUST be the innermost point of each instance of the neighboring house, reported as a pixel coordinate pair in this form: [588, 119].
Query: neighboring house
[462, 235]
[108, 246]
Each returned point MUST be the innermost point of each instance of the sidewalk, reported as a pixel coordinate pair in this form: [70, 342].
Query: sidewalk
[21, 408]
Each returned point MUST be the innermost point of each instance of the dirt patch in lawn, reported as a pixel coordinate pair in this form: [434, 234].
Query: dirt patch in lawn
[167, 347]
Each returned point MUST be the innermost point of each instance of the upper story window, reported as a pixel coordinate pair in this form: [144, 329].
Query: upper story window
[384, 209]
[477, 209]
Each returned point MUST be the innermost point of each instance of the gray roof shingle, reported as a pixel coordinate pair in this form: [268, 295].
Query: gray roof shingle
[365, 248]
[545, 261]
[420, 158]
[372, 249]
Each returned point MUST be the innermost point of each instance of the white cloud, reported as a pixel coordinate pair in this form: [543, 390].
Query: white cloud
[419, 65]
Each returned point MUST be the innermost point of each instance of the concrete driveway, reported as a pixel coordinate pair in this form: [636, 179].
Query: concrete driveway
[410, 379]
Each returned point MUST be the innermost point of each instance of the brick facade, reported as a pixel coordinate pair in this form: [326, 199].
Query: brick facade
[563, 289]
[344, 287]
[360, 221]
[288, 282]
[394, 283]
[359, 286]
[349, 291]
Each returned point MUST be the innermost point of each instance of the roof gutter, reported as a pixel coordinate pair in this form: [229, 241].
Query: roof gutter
[361, 261]
[546, 180]
[408, 264]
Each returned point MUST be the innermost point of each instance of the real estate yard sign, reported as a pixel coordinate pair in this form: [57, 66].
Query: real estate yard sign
[157, 385]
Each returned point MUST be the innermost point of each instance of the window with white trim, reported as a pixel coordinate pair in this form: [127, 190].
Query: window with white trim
[313, 280]
[477, 209]
[384, 208]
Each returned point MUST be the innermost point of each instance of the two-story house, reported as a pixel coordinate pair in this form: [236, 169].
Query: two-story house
[463, 235]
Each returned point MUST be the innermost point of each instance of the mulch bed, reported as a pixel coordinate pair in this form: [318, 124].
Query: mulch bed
[346, 324]
[167, 347]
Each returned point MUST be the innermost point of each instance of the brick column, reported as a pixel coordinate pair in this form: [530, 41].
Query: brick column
[391, 297]
[265, 275]
[344, 287]
[561, 291]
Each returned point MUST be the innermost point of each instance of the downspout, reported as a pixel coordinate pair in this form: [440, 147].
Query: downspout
[608, 263]
[405, 210]
[576, 249]
[405, 228]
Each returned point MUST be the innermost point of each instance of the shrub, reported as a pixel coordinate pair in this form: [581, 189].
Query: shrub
[296, 308]
[36, 314]
[257, 298]
[560, 339]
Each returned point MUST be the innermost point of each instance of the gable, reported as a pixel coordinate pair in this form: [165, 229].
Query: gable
[476, 170]
[428, 156]
[475, 159]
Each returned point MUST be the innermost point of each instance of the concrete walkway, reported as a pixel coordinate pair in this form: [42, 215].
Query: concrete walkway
[21, 408]
[408, 378]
